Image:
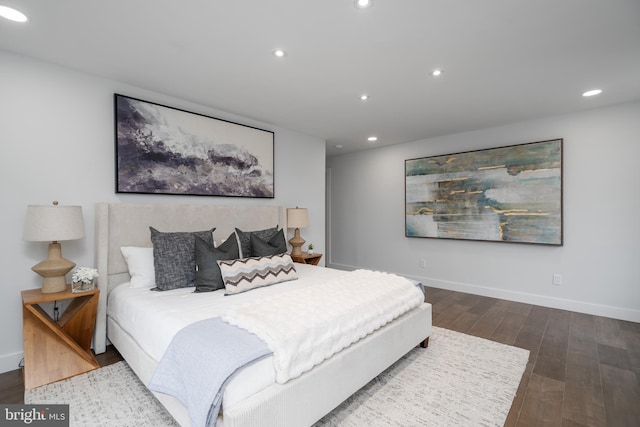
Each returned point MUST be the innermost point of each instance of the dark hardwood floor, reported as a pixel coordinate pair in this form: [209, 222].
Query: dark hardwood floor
[583, 370]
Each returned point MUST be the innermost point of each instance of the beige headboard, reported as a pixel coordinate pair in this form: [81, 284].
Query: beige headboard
[123, 224]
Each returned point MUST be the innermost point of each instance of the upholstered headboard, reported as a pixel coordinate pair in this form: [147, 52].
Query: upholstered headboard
[122, 224]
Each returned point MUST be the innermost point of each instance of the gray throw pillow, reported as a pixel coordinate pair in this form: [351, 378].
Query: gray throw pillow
[174, 257]
[244, 238]
[275, 246]
[208, 277]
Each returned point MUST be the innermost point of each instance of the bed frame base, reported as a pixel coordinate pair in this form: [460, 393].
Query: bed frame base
[306, 399]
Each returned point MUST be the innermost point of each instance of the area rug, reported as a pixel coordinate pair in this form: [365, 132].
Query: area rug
[112, 396]
[459, 380]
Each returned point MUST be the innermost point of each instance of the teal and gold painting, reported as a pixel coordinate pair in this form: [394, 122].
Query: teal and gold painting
[504, 194]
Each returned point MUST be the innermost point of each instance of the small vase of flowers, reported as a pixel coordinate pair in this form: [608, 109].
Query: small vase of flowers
[84, 279]
[310, 250]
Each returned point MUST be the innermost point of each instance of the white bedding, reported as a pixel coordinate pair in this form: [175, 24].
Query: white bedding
[308, 325]
[152, 319]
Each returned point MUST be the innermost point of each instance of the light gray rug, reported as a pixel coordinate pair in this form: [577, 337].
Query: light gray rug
[112, 396]
[459, 380]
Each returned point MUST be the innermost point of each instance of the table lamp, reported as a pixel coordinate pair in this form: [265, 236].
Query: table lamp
[297, 218]
[53, 224]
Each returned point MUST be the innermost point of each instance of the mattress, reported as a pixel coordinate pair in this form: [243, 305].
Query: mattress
[151, 319]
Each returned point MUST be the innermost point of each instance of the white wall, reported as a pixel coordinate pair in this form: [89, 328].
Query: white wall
[57, 143]
[600, 259]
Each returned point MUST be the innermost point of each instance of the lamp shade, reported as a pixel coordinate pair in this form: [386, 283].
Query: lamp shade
[297, 217]
[53, 223]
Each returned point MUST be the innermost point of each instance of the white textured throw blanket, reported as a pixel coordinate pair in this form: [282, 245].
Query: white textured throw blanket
[306, 326]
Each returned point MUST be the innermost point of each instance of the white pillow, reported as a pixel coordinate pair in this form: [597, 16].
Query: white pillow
[140, 264]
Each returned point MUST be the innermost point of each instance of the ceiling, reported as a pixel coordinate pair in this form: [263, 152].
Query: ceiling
[504, 61]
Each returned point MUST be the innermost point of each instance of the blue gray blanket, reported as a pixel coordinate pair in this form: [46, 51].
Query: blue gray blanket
[199, 362]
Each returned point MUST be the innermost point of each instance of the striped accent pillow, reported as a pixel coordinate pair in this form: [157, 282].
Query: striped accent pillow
[244, 274]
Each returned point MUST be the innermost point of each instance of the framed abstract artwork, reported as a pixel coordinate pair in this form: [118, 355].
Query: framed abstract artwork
[504, 194]
[165, 150]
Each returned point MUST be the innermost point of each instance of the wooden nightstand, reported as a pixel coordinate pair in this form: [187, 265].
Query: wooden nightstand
[57, 350]
[307, 258]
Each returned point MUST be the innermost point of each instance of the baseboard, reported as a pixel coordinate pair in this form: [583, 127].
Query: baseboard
[11, 361]
[535, 299]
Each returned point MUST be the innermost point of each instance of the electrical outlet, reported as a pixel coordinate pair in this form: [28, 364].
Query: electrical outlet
[422, 263]
[557, 279]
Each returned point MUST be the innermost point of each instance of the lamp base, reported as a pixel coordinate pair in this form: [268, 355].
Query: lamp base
[55, 284]
[53, 270]
[296, 243]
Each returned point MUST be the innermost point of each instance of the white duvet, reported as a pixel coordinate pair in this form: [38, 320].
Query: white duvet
[153, 318]
[306, 326]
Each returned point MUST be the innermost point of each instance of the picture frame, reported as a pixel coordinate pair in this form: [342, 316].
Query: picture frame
[165, 150]
[505, 194]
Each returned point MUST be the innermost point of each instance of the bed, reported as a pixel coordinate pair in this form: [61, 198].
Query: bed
[252, 397]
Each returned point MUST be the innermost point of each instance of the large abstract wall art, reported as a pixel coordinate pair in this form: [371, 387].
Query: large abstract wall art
[164, 150]
[505, 194]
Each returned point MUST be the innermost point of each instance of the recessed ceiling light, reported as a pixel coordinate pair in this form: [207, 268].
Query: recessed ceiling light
[12, 14]
[592, 92]
[372, 139]
[436, 73]
[338, 146]
[279, 53]
[363, 4]
[364, 97]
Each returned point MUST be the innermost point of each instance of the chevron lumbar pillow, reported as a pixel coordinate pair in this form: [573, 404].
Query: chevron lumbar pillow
[244, 274]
